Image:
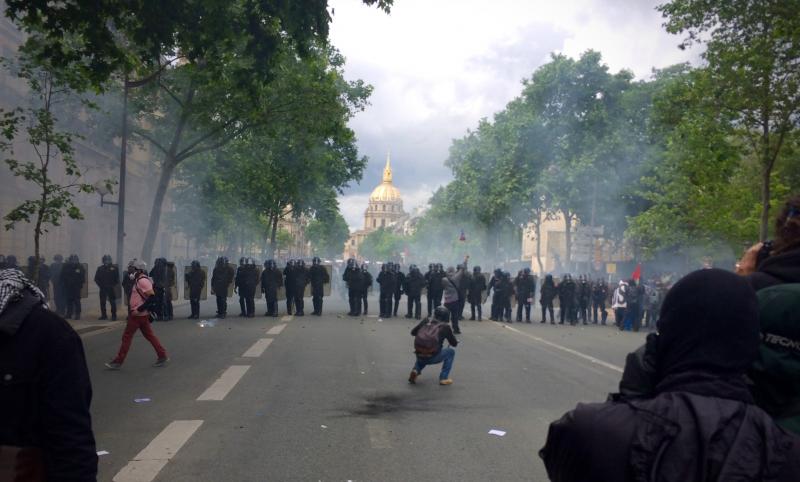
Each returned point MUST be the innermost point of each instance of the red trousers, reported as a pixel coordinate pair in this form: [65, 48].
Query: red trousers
[139, 323]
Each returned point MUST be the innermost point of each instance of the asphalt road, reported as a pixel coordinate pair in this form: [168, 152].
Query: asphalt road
[326, 399]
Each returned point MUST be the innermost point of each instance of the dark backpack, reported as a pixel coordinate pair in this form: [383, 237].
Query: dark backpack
[776, 372]
[426, 342]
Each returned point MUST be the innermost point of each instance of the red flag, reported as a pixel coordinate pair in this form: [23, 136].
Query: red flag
[637, 273]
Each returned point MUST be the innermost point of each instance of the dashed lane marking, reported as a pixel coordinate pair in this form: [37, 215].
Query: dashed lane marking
[277, 329]
[592, 359]
[225, 383]
[149, 462]
[378, 434]
[287, 318]
[258, 348]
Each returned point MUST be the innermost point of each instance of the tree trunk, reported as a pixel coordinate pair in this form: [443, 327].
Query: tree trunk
[273, 235]
[537, 229]
[568, 238]
[155, 212]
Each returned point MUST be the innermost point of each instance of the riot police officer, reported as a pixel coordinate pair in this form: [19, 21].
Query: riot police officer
[58, 288]
[318, 276]
[72, 278]
[547, 294]
[477, 285]
[599, 297]
[247, 288]
[436, 285]
[43, 272]
[299, 281]
[271, 280]
[161, 276]
[221, 279]
[288, 281]
[399, 283]
[364, 283]
[353, 295]
[525, 286]
[107, 279]
[566, 298]
[584, 298]
[428, 280]
[196, 279]
[414, 283]
[237, 285]
[386, 280]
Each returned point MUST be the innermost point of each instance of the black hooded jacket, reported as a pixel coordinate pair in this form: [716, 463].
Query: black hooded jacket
[45, 391]
[699, 423]
[777, 269]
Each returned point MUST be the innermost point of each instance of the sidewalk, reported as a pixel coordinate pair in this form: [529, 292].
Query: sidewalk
[89, 322]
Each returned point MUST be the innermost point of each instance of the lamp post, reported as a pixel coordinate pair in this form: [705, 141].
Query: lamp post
[103, 190]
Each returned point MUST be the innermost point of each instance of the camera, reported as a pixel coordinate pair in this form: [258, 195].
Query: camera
[764, 252]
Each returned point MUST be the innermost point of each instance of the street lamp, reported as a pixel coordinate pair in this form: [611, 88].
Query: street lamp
[104, 189]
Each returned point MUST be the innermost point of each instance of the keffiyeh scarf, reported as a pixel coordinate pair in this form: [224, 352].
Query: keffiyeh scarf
[12, 282]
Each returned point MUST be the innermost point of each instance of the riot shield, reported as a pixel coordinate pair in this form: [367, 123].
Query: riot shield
[172, 280]
[117, 287]
[230, 286]
[259, 270]
[204, 292]
[326, 288]
[85, 287]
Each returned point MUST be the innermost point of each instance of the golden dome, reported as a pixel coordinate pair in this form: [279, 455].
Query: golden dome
[386, 190]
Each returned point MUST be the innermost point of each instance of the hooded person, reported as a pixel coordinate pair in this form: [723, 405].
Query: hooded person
[45, 421]
[688, 416]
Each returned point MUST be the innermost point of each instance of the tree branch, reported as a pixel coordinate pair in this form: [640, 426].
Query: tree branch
[150, 139]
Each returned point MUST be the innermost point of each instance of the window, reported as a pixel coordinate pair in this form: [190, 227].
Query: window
[383, 223]
[384, 207]
[374, 222]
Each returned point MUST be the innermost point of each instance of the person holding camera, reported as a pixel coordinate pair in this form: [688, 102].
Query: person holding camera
[141, 302]
[773, 270]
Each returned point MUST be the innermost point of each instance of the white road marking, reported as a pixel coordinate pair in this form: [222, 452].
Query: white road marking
[225, 383]
[592, 359]
[277, 329]
[287, 318]
[378, 434]
[258, 348]
[149, 462]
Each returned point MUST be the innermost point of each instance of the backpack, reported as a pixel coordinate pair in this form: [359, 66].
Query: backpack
[776, 372]
[426, 342]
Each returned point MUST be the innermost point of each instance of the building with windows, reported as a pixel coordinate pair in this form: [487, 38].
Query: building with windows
[384, 210]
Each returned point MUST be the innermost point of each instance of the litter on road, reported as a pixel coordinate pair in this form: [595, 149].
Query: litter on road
[141, 400]
[499, 433]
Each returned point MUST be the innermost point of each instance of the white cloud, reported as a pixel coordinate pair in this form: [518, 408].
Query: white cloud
[439, 67]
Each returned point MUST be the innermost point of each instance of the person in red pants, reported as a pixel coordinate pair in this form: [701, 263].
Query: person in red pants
[138, 317]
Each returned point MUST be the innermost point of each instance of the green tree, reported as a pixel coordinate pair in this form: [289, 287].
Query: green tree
[51, 168]
[381, 244]
[328, 232]
[752, 52]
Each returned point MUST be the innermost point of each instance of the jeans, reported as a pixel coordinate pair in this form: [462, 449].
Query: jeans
[139, 323]
[453, 307]
[445, 357]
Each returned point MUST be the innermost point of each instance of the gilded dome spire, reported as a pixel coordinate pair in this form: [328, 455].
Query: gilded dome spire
[387, 171]
[386, 190]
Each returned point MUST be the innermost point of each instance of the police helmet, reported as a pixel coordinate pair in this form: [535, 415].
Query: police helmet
[364, 267]
[301, 263]
[526, 270]
[441, 313]
[31, 259]
[106, 259]
[290, 262]
[11, 260]
[315, 261]
[73, 258]
[476, 269]
[567, 276]
[195, 264]
[58, 258]
[242, 261]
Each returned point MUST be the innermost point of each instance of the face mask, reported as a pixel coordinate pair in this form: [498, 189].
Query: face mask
[132, 276]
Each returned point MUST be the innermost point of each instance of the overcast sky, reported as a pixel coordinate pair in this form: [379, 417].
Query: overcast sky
[439, 66]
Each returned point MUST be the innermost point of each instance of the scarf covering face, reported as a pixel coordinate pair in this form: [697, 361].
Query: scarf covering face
[708, 323]
[12, 282]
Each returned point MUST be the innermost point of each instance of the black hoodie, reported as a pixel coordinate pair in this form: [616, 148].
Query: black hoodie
[777, 269]
[700, 424]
